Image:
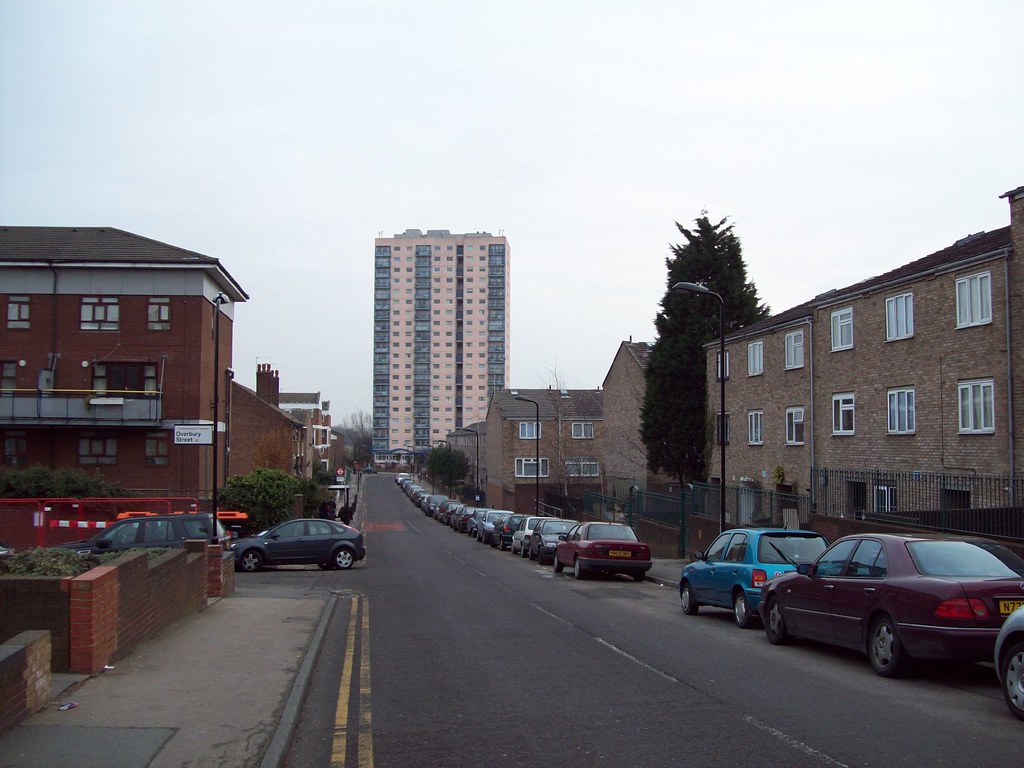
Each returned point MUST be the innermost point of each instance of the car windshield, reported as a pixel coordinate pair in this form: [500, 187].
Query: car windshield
[492, 516]
[965, 559]
[781, 548]
[558, 526]
[613, 532]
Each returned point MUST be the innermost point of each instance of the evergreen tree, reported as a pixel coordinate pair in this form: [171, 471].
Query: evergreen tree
[448, 466]
[674, 424]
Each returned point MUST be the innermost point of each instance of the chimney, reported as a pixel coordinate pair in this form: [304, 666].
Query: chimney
[268, 385]
[1016, 198]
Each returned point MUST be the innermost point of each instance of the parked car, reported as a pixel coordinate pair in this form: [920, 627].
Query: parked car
[601, 548]
[485, 527]
[147, 531]
[457, 518]
[504, 532]
[306, 541]
[544, 538]
[447, 508]
[402, 476]
[432, 504]
[899, 597]
[1009, 660]
[5, 550]
[521, 537]
[474, 518]
[732, 571]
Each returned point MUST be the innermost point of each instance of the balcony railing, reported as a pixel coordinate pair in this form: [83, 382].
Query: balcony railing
[55, 407]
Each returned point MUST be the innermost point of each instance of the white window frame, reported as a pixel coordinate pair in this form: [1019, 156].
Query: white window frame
[100, 313]
[974, 300]
[18, 312]
[885, 498]
[899, 317]
[902, 411]
[755, 427]
[976, 400]
[791, 425]
[795, 349]
[583, 430]
[582, 467]
[529, 430]
[718, 364]
[755, 358]
[523, 461]
[844, 405]
[842, 329]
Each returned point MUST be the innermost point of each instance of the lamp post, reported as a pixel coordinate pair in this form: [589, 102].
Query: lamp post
[536, 436]
[219, 300]
[476, 466]
[695, 288]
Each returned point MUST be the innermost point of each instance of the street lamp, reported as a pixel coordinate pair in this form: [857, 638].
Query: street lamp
[536, 436]
[219, 300]
[695, 288]
[476, 467]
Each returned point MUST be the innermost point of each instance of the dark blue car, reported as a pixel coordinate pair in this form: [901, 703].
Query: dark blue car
[733, 569]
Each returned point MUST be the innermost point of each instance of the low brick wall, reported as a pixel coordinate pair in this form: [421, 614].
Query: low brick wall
[24, 676]
[37, 602]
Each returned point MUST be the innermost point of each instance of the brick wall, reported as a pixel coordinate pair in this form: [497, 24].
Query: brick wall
[33, 603]
[24, 676]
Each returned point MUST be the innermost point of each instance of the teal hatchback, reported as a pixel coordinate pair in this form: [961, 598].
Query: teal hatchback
[730, 573]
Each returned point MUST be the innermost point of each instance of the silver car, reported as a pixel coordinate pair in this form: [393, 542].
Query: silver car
[1009, 660]
[521, 538]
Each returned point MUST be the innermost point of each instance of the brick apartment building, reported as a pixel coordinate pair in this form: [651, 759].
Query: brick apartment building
[570, 447]
[897, 394]
[107, 343]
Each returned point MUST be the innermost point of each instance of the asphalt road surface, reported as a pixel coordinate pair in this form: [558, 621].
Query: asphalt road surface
[446, 652]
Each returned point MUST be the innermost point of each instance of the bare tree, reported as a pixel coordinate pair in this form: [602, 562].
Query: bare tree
[358, 429]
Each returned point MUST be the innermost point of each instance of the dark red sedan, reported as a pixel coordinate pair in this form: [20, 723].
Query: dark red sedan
[899, 597]
[602, 547]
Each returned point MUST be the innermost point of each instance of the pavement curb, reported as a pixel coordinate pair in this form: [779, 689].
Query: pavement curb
[274, 756]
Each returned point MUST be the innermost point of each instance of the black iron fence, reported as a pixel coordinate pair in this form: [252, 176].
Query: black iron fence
[989, 505]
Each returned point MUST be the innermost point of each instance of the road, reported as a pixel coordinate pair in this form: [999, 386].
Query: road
[445, 652]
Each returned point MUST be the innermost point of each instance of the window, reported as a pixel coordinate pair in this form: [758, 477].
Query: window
[581, 468]
[135, 379]
[842, 414]
[868, 562]
[755, 427]
[529, 430]
[842, 329]
[755, 358]
[15, 448]
[100, 314]
[723, 429]
[528, 467]
[718, 364]
[737, 551]
[156, 449]
[794, 426]
[17, 312]
[885, 498]
[94, 448]
[832, 561]
[977, 409]
[159, 314]
[974, 300]
[902, 419]
[583, 430]
[8, 377]
[795, 349]
[899, 317]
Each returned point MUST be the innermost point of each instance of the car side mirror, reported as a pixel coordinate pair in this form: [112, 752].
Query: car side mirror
[805, 569]
[561, 537]
[700, 554]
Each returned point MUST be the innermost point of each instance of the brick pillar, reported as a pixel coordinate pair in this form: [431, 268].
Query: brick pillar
[93, 620]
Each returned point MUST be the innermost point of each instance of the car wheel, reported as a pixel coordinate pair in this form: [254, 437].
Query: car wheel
[1012, 669]
[557, 564]
[686, 599]
[251, 561]
[343, 559]
[741, 611]
[775, 627]
[639, 576]
[578, 571]
[885, 651]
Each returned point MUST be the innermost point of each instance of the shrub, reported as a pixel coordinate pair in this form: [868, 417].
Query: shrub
[53, 561]
[38, 481]
[266, 495]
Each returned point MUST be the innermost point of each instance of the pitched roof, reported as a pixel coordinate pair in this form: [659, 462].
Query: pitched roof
[978, 246]
[103, 246]
[641, 352]
[582, 404]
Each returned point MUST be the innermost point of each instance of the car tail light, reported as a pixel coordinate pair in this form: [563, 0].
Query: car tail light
[962, 608]
[597, 550]
[758, 577]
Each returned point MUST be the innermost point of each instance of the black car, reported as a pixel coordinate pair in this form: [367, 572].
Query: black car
[147, 531]
[545, 538]
[505, 530]
[307, 541]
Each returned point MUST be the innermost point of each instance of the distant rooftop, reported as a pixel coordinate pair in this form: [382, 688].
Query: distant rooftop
[440, 233]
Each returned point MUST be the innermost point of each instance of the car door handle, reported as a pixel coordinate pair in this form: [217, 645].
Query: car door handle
[829, 587]
[869, 590]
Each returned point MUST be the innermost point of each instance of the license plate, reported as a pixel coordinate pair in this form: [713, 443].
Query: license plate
[619, 553]
[1006, 607]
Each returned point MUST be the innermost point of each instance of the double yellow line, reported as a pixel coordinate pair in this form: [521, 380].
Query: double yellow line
[355, 684]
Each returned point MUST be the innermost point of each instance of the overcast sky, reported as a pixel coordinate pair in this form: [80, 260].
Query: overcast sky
[281, 137]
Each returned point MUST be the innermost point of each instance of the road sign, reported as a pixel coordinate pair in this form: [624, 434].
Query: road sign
[193, 434]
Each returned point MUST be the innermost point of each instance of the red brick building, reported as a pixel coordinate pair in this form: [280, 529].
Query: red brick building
[106, 344]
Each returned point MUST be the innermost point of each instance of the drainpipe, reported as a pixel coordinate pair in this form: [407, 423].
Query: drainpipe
[810, 357]
[1010, 447]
